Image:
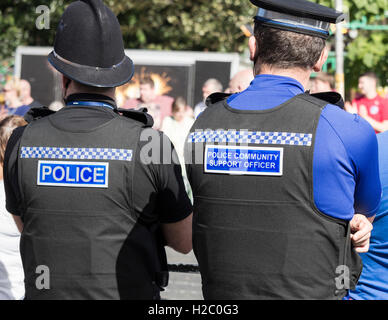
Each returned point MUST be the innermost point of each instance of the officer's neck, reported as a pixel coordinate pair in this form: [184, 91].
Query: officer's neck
[75, 89]
[301, 75]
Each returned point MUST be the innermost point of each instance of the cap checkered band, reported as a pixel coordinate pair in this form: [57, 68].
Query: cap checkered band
[75, 153]
[251, 137]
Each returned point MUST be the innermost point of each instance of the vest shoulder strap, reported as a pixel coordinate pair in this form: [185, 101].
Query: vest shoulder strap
[140, 115]
[217, 97]
[37, 113]
[321, 98]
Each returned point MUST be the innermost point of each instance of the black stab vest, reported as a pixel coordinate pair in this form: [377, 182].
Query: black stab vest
[260, 236]
[89, 238]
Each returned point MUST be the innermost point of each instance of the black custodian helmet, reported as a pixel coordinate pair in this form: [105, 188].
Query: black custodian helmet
[89, 46]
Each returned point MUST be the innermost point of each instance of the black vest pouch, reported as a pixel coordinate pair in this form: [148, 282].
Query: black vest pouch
[257, 233]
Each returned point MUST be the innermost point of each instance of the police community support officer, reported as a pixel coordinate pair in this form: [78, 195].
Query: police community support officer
[282, 178]
[89, 206]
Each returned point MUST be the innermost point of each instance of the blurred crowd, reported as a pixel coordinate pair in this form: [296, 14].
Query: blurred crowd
[174, 117]
[16, 99]
[369, 102]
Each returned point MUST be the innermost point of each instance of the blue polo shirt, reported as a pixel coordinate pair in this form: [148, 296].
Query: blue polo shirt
[373, 283]
[345, 165]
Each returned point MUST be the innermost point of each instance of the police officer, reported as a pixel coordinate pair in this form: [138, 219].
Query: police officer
[278, 175]
[94, 216]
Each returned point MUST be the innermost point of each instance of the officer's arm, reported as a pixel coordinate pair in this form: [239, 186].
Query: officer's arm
[363, 151]
[178, 235]
[19, 223]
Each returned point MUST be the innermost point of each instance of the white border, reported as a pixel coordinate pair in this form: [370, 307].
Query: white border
[281, 150]
[148, 57]
[104, 164]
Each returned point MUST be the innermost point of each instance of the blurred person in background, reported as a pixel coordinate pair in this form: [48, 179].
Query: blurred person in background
[177, 128]
[178, 125]
[371, 106]
[158, 106]
[11, 268]
[25, 95]
[240, 81]
[209, 87]
[322, 82]
[13, 101]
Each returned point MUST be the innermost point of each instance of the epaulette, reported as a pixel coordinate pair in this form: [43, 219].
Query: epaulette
[140, 115]
[37, 113]
[216, 97]
[331, 97]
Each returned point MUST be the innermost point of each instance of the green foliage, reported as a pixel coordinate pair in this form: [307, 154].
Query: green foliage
[369, 50]
[198, 25]
[17, 24]
[184, 25]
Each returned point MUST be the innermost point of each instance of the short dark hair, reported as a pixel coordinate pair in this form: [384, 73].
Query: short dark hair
[370, 74]
[148, 80]
[285, 49]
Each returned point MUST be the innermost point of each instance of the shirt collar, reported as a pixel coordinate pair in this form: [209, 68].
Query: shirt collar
[270, 81]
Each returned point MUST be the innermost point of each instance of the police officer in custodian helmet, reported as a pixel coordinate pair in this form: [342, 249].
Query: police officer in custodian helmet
[93, 213]
[283, 181]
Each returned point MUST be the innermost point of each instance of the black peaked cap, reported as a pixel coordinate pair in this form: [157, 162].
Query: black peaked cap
[301, 8]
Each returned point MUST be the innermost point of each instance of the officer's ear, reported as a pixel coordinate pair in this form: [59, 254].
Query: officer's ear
[65, 85]
[65, 82]
[252, 48]
[322, 59]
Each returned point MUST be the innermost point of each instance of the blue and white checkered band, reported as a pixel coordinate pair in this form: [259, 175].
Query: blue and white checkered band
[251, 137]
[75, 153]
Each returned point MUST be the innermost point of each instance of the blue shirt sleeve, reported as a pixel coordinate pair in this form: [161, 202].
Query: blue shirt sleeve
[346, 172]
[363, 150]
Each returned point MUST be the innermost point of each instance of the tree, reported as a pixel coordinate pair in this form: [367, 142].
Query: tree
[18, 24]
[369, 50]
[184, 25]
[198, 25]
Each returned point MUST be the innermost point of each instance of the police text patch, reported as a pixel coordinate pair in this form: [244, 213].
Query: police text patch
[244, 160]
[73, 174]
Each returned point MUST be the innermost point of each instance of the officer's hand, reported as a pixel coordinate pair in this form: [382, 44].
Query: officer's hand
[361, 230]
